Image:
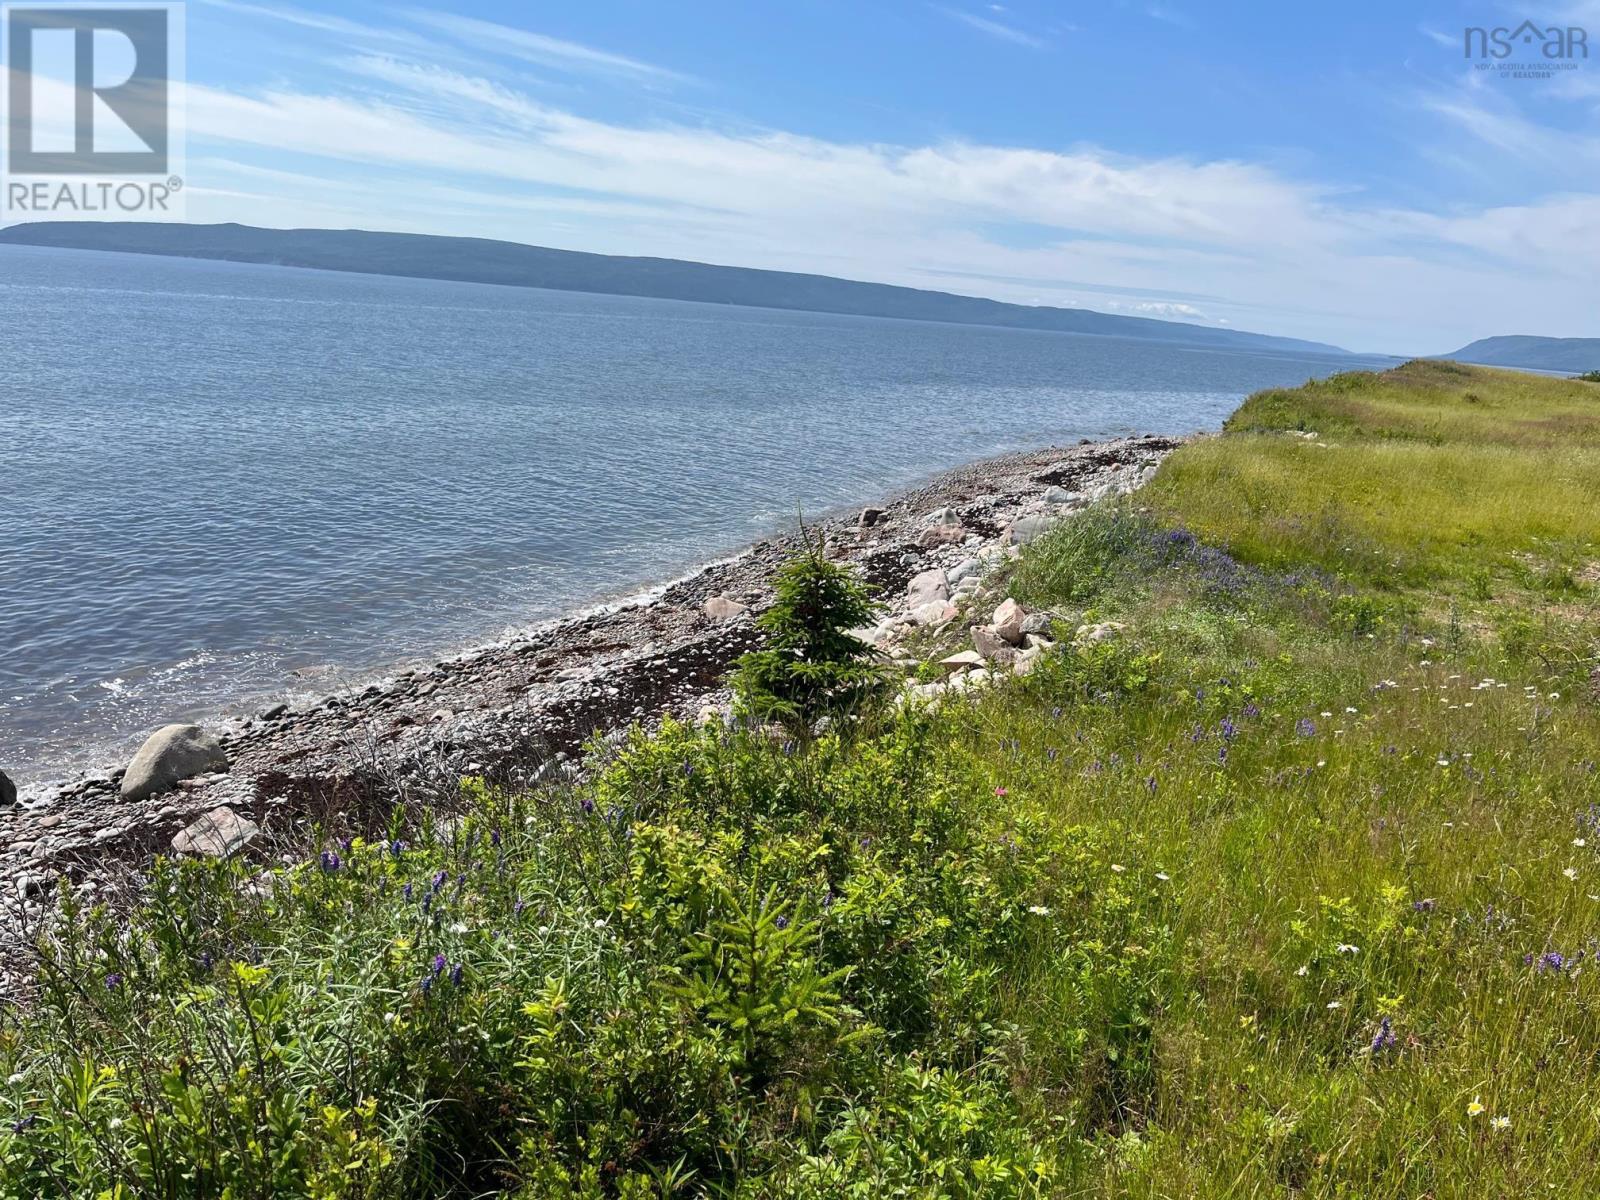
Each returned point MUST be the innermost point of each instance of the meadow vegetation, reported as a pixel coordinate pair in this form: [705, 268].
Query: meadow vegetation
[1291, 890]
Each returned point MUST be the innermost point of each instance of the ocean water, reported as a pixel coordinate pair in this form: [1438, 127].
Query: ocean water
[223, 484]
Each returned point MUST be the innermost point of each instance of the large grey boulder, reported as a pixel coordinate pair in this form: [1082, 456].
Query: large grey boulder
[926, 588]
[169, 755]
[8, 791]
[217, 834]
[1025, 529]
[722, 609]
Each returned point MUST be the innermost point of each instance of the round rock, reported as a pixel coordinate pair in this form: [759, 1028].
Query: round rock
[169, 755]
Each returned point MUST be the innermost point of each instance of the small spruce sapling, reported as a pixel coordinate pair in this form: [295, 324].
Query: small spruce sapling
[812, 665]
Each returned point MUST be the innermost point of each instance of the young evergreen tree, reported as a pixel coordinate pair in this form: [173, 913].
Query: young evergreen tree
[812, 666]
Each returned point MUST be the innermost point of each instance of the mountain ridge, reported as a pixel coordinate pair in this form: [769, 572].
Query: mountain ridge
[1532, 351]
[515, 264]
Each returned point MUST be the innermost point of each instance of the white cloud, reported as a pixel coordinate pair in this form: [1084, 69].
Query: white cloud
[537, 48]
[996, 29]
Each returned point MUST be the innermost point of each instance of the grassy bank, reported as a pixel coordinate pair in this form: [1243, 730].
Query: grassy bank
[1289, 890]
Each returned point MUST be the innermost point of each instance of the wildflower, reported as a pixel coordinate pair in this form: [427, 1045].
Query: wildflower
[519, 908]
[456, 974]
[587, 805]
[1347, 948]
[397, 848]
[1304, 727]
[1348, 709]
[1327, 714]
[1118, 868]
[113, 981]
[458, 927]
[330, 861]
[1228, 729]
[1422, 905]
[1384, 1039]
[427, 984]
[1551, 961]
[1305, 969]
[1475, 1109]
[1000, 791]
[438, 963]
[1039, 910]
[1500, 1122]
[494, 838]
[1580, 843]
[1332, 1004]
[439, 880]
[1571, 872]
[1163, 876]
[406, 891]
[25, 1124]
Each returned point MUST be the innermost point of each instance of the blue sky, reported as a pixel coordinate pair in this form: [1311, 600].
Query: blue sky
[1339, 172]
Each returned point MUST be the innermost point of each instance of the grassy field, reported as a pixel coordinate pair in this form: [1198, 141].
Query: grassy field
[1292, 890]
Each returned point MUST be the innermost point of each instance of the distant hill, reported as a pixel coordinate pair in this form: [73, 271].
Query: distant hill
[477, 260]
[1539, 353]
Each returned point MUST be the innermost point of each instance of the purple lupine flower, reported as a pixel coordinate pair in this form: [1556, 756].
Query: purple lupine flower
[1305, 728]
[494, 838]
[330, 862]
[1384, 1039]
[457, 972]
[205, 960]
[1051, 753]
[397, 848]
[520, 907]
[1422, 906]
[1251, 710]
[1551, 961]
[427, 984]
[1222, 756]
[346, 844]
[1228, 729]
[688, 770]
[113, 981]
[25, 1124]
[461, 880]
[439, 963]
[440, 878]
[427, 902]
[1150, 785]
[406, 891]
[587, 805]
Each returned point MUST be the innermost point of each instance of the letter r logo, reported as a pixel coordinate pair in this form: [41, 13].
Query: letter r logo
[87, 90]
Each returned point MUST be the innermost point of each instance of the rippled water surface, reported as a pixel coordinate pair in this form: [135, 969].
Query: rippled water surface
[221, 483]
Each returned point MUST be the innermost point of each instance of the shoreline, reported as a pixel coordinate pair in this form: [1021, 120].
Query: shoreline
[513, 710]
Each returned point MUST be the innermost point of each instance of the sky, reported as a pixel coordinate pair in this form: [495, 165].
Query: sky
[1337, 172]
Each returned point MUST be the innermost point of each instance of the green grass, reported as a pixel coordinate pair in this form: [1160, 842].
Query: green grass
[1132, 926]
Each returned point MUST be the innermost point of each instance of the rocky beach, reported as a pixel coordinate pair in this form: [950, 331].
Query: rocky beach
[519, 710]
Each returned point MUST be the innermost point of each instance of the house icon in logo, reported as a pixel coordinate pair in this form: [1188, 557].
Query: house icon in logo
[1527, 33]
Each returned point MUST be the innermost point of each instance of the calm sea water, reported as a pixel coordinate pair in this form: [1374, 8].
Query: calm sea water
[221, 484]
